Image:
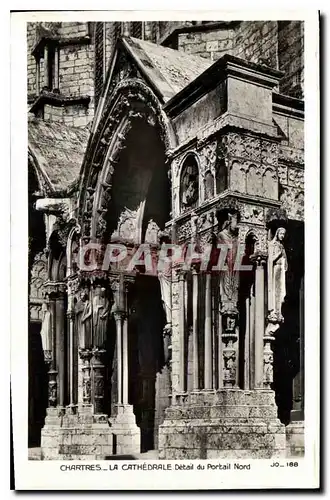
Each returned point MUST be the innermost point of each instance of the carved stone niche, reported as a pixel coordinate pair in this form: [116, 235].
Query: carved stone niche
[189, 183]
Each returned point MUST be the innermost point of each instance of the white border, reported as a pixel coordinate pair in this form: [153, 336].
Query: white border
[47, 475]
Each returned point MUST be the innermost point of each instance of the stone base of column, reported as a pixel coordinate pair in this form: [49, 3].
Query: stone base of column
[76, 433]
[229, 423]
[127, 435]
[295, 439]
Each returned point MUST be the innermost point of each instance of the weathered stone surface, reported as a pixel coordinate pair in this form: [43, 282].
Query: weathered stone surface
[295, 439]
[223, 430]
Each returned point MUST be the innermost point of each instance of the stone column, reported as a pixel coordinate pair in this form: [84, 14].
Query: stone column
[70, 316]
[52, 374]
[127, 435]
[46, 69]
[125, 360]
[208, 334]
[260, 260]
[37, 75]
[182, 323]
[60, 344]
[298, 404]
[195, 328]
[56, 69]
[118, 315]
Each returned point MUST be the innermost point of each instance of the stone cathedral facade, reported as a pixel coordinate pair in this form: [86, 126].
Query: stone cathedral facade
[147, 134]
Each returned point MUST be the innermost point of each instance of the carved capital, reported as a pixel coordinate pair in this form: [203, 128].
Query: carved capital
[55, 289]
[259, 258]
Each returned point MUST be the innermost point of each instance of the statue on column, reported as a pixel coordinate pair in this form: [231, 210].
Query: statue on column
[83, 312]
[46, 330]
[277, 268]
[229, 278]
[100, 317]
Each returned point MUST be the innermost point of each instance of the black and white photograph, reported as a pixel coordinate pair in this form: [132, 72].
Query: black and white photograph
[165, 247]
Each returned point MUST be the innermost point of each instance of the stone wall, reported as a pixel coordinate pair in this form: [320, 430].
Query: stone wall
[210, 44]
[257, 42]
[291, 57]
[76, 71]
[31, 63]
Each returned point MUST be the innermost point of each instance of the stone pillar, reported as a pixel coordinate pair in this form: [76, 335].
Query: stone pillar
[195, 328]
[61, 345]
[298, 404]
[260, 260]
[182, 324]
[56, 69]
[127, 435]
[125, 360]
[52, 374]
[37, 75]
[46, 70]
[208, 334]
[295, 431]
[70, 316]
[118, 315]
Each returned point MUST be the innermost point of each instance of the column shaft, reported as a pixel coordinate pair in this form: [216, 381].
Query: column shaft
[119, 359]
[259, 326]
[37, 76]
[46, 69]
[125, 361]
[56, 69]
[208, 334]
[195, 329]
[60, 334]
[182, 333]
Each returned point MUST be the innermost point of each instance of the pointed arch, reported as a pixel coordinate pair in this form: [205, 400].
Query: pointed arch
[130, 101]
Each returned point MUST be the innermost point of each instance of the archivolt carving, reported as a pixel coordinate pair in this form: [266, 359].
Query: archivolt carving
[121, 108]
[39, 275]
[127, 228]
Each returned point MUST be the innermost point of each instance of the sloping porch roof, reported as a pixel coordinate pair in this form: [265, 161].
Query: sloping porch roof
[167, 70]
[58, 150]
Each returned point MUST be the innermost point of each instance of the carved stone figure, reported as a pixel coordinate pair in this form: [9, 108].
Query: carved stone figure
[152, 232]
[165, 278]
[277, 267]
[46, 332]
[100, 317]
[229, 278]
[83, 312]
[189, 186]
[209, 185]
